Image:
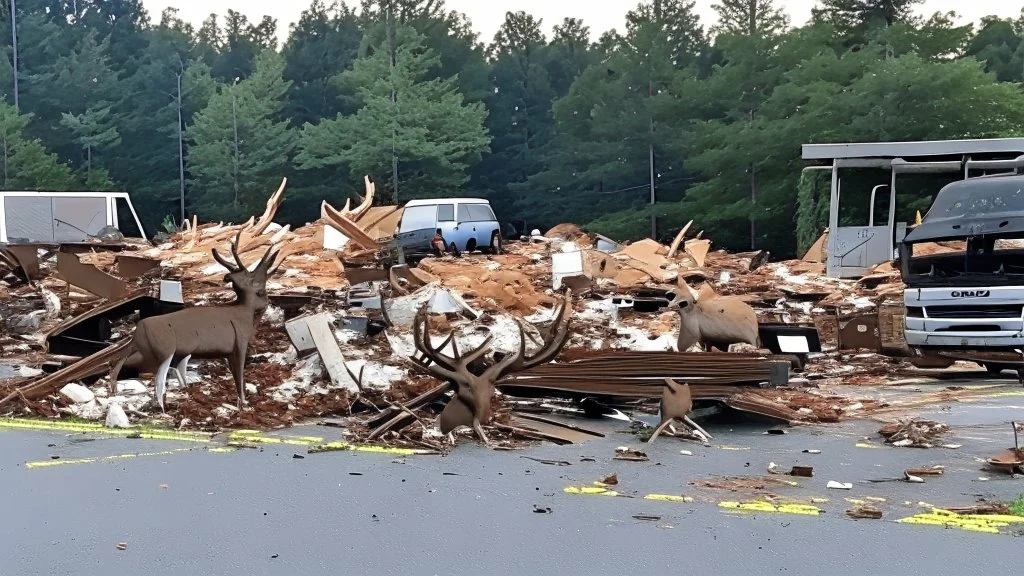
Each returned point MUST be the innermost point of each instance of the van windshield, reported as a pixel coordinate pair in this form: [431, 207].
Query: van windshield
[419, 217]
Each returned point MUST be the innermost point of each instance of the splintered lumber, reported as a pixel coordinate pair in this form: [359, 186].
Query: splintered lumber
[251, 237]
[88, 366]
[678, 239]
[347, 227]
[727, 378]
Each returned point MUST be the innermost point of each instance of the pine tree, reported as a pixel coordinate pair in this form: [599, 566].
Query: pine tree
[856, 17]
[26, 163]
[408, 125]
[750, 18]
[232, 176]
[93, 130]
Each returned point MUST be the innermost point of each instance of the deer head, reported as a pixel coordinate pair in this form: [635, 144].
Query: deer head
[474, 383]
[250, 286]
[684, 302]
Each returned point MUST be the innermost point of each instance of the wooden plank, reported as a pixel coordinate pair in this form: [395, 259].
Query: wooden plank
[330, 353]
[89, 277]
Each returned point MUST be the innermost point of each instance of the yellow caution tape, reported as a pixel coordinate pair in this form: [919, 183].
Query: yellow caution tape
[52, 463]
[254, 437]
[345, 446]
[148, 432]
[819, 500]
[802, 509]
[1018, 393]
[589, 491]
[855, 501]
[866, 445]
[985, 523]
[668, 498]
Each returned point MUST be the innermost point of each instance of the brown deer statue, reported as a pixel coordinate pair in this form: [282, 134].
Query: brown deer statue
[676, 403]
[474, 384]
[709, 319]
[207, 332]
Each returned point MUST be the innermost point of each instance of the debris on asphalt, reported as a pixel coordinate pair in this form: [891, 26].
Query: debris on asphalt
[630, 454]
[865, 512]
[931, 471]
[914, 433]
[833, 485]
[609, 480]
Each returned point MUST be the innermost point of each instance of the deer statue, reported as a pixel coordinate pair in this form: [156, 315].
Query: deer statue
[208, 332]
[474, 383]
[709, 319]
[676, 402]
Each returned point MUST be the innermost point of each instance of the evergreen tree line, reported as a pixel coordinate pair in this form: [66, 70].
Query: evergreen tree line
[551, 128]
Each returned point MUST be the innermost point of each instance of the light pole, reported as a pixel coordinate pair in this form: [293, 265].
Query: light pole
[234, 124]
[181, 149]
[14, 43]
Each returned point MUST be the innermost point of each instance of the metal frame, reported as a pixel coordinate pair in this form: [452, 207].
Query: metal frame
[950, 156]
[111, 198]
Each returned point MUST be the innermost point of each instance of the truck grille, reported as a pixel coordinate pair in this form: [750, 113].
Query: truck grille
[975, 312]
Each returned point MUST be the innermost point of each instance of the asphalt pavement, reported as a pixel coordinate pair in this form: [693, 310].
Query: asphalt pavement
[181, 508]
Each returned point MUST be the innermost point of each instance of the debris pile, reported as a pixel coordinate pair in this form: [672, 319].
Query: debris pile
[352, 330]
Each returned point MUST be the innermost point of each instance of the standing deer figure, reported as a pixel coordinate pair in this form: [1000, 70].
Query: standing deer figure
[474, 388]
[709, 319]
[206, 331]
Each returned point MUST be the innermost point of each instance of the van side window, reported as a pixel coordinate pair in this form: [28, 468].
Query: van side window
[445, 212]
[464, 215]
[419, 217]
[480, 213]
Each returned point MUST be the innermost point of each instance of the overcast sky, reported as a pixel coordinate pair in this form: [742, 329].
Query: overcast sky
[487, 15]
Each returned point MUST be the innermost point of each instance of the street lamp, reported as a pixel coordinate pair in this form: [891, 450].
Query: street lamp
[234, 125]
[181, 146]
[14, 43]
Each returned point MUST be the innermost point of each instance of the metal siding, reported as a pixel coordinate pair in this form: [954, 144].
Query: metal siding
[29, 219]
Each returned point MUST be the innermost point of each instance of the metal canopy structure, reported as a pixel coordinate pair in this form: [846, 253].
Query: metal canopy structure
[853, 250]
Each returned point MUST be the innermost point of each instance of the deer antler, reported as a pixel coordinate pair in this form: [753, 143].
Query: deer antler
[239, 265]
[471, 404]
[453, 368]
[554, 340]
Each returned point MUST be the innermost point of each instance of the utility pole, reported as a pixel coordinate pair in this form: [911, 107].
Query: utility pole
[14, 43]
[654, 216]
[394, 101]
[234, 124]
[181, 151]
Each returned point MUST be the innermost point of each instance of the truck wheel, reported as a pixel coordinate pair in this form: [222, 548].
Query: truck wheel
[495, 247]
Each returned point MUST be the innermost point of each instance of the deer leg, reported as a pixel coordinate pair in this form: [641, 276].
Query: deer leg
[697, 428]
[160, 380]
[236, 362]
[661, 428]
[480, 432]
[182, 369]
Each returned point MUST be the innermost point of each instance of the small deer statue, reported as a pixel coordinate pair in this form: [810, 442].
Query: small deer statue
[474, 385]
[709, 319]
[208, 332]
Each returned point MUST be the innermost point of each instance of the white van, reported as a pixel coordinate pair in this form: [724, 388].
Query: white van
[466, 224]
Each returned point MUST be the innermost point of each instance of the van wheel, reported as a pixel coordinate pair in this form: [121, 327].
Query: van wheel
[455, 250]
[495, 247]
[470, 246]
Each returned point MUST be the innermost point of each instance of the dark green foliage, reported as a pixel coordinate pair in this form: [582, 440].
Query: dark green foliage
[551, 127]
